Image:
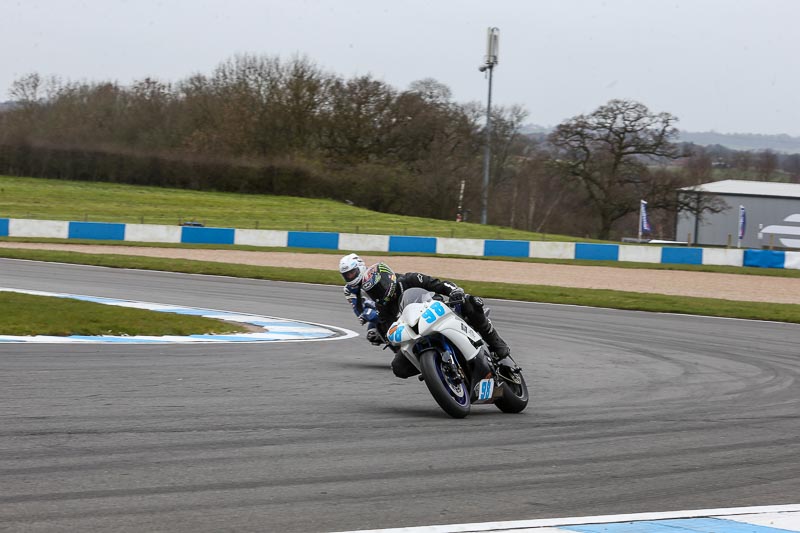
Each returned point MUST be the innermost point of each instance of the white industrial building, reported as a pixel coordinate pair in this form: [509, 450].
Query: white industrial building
[772, 215]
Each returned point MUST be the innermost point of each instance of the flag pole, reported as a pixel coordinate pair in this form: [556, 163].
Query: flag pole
[640, 221]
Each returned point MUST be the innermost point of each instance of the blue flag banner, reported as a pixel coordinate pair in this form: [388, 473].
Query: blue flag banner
[644, 223]
[742, 221]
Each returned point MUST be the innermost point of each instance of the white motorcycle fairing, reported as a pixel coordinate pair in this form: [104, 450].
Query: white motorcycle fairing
[430, 317]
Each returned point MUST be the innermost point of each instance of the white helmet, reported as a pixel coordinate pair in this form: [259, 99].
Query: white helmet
[352, 269]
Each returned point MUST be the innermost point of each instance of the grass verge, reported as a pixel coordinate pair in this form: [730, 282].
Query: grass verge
[533, 293]
[40, 198]
[28, 314]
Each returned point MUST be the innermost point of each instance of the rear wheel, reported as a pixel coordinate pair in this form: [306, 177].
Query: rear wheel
[515, 393]
[445, 384]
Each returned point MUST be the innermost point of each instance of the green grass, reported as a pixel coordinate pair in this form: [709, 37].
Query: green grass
[38, 198]
[27, 314]
[534, 293]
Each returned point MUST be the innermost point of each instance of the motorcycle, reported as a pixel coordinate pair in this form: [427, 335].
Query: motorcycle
[453, 359]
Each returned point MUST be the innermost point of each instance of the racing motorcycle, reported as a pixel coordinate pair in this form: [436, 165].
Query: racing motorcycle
[453, 359]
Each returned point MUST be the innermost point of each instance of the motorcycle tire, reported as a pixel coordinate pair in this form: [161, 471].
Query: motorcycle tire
[515, 396]
[453, 398]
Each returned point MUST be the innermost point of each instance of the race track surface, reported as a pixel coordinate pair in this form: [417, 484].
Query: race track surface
[630, 412]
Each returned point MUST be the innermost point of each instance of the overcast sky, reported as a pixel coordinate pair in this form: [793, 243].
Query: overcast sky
[724, 65]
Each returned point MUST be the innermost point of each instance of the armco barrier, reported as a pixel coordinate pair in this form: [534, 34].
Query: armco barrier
[12, 227]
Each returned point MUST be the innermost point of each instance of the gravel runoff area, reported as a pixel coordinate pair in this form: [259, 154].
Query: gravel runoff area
[674, 282]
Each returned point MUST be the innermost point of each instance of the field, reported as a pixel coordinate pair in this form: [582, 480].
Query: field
[106, 202]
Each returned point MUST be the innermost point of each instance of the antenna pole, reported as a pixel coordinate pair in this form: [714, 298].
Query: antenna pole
[492, 42]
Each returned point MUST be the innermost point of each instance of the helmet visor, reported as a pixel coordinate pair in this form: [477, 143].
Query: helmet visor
[381, 290]
[350, 275]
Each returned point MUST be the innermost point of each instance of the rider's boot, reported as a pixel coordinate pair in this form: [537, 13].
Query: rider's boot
[496, 343]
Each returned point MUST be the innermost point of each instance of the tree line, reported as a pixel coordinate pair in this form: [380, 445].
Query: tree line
[262, 125]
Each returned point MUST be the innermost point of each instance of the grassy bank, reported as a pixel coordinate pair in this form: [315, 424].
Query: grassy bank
[27, 314]
[40, 198]
[534, 293]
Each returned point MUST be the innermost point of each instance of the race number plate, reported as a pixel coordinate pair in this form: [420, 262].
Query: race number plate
[485, 389]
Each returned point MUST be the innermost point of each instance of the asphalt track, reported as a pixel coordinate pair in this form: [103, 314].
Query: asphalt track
[630, 412]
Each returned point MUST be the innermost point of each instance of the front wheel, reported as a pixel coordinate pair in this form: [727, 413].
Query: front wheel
[515, 394]
[443, 382]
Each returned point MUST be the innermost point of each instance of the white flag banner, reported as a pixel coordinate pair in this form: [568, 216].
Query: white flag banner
[742, 222]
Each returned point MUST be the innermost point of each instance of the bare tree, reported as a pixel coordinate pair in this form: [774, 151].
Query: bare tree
[609, 153]
[766, 164]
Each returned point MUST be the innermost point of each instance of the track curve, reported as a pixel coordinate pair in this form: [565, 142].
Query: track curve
[630, 412]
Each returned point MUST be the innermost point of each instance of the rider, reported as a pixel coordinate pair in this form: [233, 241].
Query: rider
[352, 269]
[386, 289]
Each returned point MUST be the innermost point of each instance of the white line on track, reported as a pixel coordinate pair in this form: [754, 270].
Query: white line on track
[272, 329]
[520, 526]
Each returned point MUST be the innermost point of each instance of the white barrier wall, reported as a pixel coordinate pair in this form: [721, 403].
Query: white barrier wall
[261, 237]
[152, 233]
[553, 250]
[367, 243]
[46, 229]
[446, 245]
[792, 260]
[639, 254]
[714, 256]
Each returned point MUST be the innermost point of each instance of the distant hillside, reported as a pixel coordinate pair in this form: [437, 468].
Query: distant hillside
[744, 141]
[734, 141]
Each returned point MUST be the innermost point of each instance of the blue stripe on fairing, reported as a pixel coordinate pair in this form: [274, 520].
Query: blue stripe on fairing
[685, 525]
[96, 230]
[3, 227]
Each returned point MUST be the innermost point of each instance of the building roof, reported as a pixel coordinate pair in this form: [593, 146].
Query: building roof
[749, 188]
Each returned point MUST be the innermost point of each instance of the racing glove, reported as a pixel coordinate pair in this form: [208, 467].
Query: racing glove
[457, 296]
[374, 337]
[368, 315]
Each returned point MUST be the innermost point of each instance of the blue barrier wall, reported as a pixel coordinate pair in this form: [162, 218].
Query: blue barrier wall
[194, 235]
[393, 243]
[506, 248]
[97, 230]
[683, 256]
[764, 258]
[597, 252]
[426, 245]
[313, 239]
